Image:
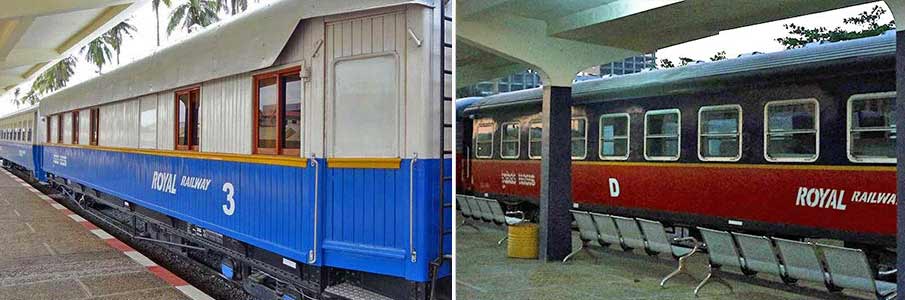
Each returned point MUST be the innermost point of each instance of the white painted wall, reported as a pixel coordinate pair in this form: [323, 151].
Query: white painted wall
[85, 127]
[119, 124]
[67, 128]
[226, 114]
[147, 138]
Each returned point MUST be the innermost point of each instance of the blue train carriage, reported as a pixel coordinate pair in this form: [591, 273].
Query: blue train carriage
[17, 140]
[300, 143]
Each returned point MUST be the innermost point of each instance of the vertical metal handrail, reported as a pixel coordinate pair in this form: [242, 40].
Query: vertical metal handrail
[412, 207]
[312, 255]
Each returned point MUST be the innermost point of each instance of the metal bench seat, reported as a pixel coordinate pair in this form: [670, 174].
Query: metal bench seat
[722, 251]
[587, 233]
[800, 260]
[492, 212]
[464, 205]
[759, 255]
[658, 241]
[486, 212]
[848, 268]
[607, 233]
[630, 232]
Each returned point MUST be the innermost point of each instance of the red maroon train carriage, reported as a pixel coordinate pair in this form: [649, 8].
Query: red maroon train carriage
[799, 143]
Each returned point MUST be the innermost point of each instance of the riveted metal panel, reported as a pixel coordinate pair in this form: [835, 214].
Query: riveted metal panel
[226, 113]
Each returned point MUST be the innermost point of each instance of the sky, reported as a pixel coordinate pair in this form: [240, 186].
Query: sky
[761, 38]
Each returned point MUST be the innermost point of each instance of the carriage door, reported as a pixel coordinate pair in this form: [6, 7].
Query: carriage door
[364, 109]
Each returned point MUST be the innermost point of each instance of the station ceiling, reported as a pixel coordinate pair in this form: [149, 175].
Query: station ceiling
[35, 34]
[638, 26]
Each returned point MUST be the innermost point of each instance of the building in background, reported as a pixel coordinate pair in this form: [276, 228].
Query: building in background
[629, 65]
[515, 82]
[531, 79]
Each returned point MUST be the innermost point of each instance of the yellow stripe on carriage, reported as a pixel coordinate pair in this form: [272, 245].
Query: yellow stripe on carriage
[364, 163]
[289, 161]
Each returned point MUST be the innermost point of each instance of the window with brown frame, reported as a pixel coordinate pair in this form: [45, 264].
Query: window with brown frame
[94, 125]
[278, 112]
[60, 129]
[75, 127]
[47, 132]
[188, 127]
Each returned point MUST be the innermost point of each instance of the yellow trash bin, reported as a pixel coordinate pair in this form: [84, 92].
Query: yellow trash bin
[522, 241]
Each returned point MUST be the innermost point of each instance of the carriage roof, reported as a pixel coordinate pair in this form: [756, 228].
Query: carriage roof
[681, 79]
[226, 48]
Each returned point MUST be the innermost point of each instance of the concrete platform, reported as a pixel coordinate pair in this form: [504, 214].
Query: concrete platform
[46, 252]
[484, 272]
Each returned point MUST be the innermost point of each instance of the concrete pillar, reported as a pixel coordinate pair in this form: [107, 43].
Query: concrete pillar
[556, 174]
[900, 127]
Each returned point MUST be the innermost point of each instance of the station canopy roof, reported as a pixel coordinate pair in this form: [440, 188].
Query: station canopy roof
[35, 34]
[641, 26]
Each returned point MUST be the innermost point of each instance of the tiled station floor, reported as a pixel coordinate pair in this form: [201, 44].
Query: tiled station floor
[48, 252]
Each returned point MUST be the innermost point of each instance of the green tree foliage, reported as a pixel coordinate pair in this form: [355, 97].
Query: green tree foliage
[98, 52]
[114, 37]
[16, 97]
[31, 98]
[233, 7]
[194, 12]
[55, 77]
[868, 24]
[718, 56]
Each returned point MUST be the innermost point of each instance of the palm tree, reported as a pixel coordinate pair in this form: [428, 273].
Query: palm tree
[114, 37]
[194, 12]
[155, 5]
[238, 6]
[235, 6]
[31, 97]
[16, 97]
[98, 53]
[54, 78]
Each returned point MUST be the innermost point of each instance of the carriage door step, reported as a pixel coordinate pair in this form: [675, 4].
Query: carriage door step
[352, 292]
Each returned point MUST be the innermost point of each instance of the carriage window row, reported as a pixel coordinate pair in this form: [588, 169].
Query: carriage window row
[58, 122]
[19, 132]
[791, 133]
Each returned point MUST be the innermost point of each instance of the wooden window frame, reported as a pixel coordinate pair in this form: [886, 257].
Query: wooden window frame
[188, 119]
[281, 108]
[48, 119]
[59, 128]
[75, 127]
[94, 132]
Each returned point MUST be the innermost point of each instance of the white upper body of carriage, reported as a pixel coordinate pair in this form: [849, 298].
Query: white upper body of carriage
[18, 127]
[344, 79]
